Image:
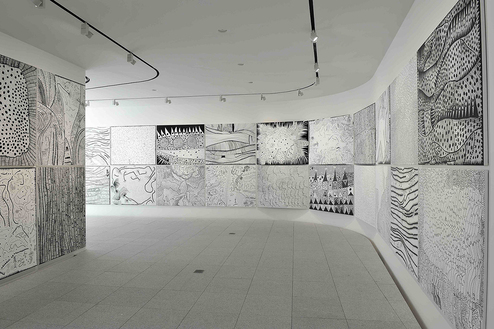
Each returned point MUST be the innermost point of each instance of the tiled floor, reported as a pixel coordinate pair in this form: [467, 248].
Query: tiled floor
[139, 273]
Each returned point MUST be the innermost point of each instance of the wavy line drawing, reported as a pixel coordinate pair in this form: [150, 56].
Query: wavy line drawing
[403, 235]
[98, 185]
[133, 145]
[98, 146]
[133, 185]
[364, 127]
[331, 140]
[453, 243]
[231, 143]
[181, 185]
[283, 143]
[180, 145]
[450, 90]
[383, 129]
[283, 187]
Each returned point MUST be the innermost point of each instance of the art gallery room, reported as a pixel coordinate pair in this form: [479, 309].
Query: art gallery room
[222, 164]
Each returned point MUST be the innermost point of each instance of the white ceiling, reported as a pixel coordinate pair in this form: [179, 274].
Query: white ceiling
[181, 39]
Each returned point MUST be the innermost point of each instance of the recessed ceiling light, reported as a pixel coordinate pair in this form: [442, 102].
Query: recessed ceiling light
[222, 30]
[240, 64]
[251, 81]
[153, 89]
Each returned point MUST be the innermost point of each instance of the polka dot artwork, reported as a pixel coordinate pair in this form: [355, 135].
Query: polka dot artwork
[182, 144]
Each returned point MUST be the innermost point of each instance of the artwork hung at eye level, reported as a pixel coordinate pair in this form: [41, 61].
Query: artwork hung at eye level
[133, 185]
[98, 185]
[133, 145]
[60, 121]
[364, 127]
[181, 185]
[60, 211]
[403, 100]
[383, 129]
[283, 187]
[231, 143]
[283, 143]
[98, 146]
[18, 86]
[180, 145]
[403, 235]
[331, 140]
[231, 186]
[17, 221]
[365, 196]
[450, 90]
[453, 243]
[331, 189]
[383, 201]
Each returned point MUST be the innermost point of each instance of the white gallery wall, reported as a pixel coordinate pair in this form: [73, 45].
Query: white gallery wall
[422, 19]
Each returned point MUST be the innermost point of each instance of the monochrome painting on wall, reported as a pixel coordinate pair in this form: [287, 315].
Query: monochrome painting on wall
[283, 187]
[18, 86]
[98, 146]
[331, 189]
[231, 143]
[365, 188]
[133, 185]
[450, 90]
[181, 185]
[98, 185]
[364, 127]
[403, 235]
[180, 145]
[231, 186]
[133, 145]
[383, 201]
[283, 143]
[60, 121]
[18, 221]
[453, 242]
[383, 129]
[331, 140]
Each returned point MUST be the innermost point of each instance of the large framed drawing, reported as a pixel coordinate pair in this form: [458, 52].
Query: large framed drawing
[181, 185]
[383, 201]
[283, 186]
[133, 185]
[383, 129]
[98, 146]
[364, 127]
[231, 143]
[365, 194]
[331, 140]
[231, 186]
[98, 185]
[180, 145]
[133, 145]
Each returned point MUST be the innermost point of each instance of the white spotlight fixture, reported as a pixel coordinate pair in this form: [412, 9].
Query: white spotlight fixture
[39, 3]
[317, 81]
[85, 30]
[222, 99]
[86, 103]
[130, 59]
[300, 93]
[263, 98]
[168, 101]
[115, 103]
[316, 67]
[313, 36]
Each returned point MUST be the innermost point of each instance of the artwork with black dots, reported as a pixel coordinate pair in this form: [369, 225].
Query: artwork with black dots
[283, 143]
[453, 234]
[133, 145]
[98, 185]
[61, 121]
[98, 146]
[17, 221]
[18, 87]
[364, 128]
[180, 145]
[450, 90]
[403, 235]
[231, 143]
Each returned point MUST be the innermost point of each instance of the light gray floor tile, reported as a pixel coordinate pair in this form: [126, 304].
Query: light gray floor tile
[271, 288]
[219, 302]
[391, 291]
[88, 294]
[129, 296]
[58, 313]
[267, 305]
[314, 289]
[149, 281]
[357, 308]
[205, 320]
[403, 311]
[236, 272]
[34, 325]
[315, 323]
[274, 274]
[103, 317]
[306, 307]
[147, 318]
[367, 324]
[17, 308]
[229, 285]
[254, 321]
[113, 279]
[173, 300]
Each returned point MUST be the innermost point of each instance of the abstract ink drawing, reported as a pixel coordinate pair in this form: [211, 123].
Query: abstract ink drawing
[365, 194]
[231, 186]
[383, 129]
[217, 179]
[17, 221]
[98, 146]
[61, 211]
[231, 143]
[133, 185]
[180, 145]
[403, 100]
[331, 140]
[453, 243]
[450, 95]
[364, 125]
[181, 185]
[98, 185]
[383, 201]
[331, 189]
[403, 235]
[283, 186]
[61, 121]
[282, 143]
[18, 86]
[133, 145]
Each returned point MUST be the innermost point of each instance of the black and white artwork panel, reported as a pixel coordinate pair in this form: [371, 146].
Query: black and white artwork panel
[365, 201]
[180, 145]
[283, 143]
[182, 186]
[217, 181]
[18, 221]
[133, 145]
[331, 140]
[383, 129]
[283, 187]
[133, 185]
[453, 243]
[98, 146]
[450, 90]
[364, 127]
[231, 143]
[18, 87]
[383, 201]
[98, 185]
[231, 186]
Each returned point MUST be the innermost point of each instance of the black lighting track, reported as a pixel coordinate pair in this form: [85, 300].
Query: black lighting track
[313, 28]
[157, 73]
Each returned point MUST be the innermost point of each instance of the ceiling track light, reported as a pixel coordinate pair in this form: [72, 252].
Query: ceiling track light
[263, 98]
[130, 59]
[313, 36]
[222, 99]
[168, 101]
[39, 3]
[85, 30]
[317, 81]
[115, 103]
[316, 67]
[300, 93]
